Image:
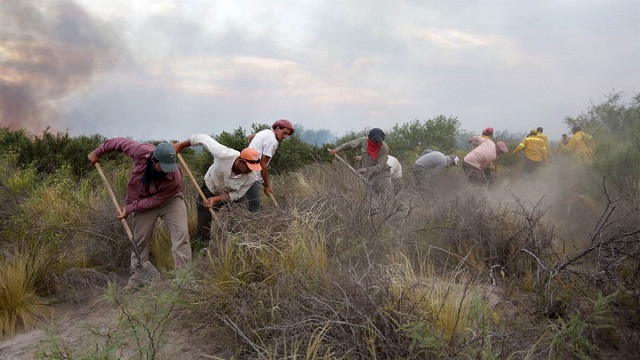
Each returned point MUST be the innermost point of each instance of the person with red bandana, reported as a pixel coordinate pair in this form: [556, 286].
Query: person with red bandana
[374, 154]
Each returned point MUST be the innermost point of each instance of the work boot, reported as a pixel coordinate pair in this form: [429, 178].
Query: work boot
[133, 284]
[129, 288]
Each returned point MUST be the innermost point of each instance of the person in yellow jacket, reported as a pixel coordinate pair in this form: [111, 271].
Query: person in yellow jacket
[561, 149]
[542, 136]
[535, 152]
[577, 145]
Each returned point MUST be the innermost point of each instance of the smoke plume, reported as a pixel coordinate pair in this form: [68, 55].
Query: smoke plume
[49, 50]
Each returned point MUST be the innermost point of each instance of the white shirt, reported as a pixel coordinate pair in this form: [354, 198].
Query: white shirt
[396, 168]
[265, 143]
[219, 178]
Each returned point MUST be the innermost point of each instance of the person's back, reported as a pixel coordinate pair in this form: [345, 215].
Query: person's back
[482, 155]
[432, 160]
[577, 144]
[396, 168]
[430, 163]
[544, 138]
[534, 147]
[535, 153]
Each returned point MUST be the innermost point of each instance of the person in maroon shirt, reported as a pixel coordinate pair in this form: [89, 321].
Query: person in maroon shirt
[154, 191]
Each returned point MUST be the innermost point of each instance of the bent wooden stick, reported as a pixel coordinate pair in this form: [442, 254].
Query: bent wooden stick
[195, 183]
[274, 200]
[346, 163]
[147, 271]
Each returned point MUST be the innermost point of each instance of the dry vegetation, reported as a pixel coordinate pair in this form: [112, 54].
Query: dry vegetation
[519, 270]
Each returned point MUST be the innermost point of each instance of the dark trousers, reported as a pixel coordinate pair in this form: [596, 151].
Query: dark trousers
[253, 196]
[204, 215]
[529, 167]
[422, 175]
[474, 175]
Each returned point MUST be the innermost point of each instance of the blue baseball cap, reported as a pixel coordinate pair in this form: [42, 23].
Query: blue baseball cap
[166, 156]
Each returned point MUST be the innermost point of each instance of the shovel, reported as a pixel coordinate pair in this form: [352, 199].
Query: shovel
[146, 271]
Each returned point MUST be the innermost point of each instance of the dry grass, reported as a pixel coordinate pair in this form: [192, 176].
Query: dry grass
[453, 271]
[20, 304]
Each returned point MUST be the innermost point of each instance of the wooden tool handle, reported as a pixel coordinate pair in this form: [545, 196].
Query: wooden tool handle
[195, 183]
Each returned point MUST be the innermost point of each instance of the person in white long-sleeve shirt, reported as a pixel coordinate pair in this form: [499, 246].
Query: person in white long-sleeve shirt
[227, 180]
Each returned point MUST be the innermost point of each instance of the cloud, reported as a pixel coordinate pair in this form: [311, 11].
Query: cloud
[455, 39]
[215, 65]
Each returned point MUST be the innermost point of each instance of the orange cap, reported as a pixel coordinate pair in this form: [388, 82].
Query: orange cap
[252, 158]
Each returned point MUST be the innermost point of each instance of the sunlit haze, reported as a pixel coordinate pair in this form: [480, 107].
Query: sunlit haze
[169, 69]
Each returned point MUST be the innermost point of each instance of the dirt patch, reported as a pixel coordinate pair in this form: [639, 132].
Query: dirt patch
[67, 322]
[82, 326]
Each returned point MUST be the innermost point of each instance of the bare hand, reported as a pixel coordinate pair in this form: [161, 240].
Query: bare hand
[93, 158]
[332, 151]
[122, 214]
[357, 157]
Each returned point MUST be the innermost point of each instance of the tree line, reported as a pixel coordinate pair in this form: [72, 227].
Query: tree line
[614, 124]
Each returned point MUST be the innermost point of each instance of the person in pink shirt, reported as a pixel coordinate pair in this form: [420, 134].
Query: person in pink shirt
[154, 191]
[481, 157]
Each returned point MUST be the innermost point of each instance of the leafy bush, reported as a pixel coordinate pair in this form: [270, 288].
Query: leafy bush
[49, 152]
[410, 139]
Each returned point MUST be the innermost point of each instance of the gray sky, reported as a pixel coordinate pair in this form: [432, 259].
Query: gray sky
[169, 69]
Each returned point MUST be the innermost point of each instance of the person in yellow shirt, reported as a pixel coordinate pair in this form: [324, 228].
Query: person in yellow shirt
[535, 153]
[542, 136]
[577, 145]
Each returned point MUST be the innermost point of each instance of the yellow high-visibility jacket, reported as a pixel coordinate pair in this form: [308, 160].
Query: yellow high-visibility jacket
[546, 141]
[578, 146]
[534, 148]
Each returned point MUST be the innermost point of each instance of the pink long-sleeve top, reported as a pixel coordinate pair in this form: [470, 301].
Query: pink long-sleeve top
[139, 196]
[483, 155]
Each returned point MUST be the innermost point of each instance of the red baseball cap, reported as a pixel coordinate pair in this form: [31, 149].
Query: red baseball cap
[283, 123]
[487, 131]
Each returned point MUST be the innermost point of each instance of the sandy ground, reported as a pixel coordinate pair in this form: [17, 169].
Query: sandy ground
[69, 323]
[82, 325]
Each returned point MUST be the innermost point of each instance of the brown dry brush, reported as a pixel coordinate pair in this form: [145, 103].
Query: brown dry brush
[274, 308]
[359, 314]
[354, 309]
[610, 261]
